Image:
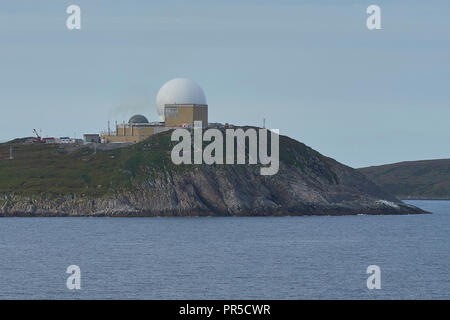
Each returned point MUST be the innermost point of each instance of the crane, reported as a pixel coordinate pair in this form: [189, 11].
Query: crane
[38, 137]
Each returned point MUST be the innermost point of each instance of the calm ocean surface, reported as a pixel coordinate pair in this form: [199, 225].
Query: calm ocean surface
[228, 258]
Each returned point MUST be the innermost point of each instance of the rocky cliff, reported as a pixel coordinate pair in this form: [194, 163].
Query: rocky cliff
[141, 180]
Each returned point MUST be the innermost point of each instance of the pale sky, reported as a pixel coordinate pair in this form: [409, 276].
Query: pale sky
[311, 68]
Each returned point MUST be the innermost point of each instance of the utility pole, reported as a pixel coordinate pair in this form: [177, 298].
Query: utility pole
[11, 157]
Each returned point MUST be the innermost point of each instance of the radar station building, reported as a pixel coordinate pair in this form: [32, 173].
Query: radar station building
[180, 103]
[184, 115]
[136, 130]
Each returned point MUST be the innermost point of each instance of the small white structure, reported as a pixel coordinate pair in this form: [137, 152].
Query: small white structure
[91, 138]
[65, 140]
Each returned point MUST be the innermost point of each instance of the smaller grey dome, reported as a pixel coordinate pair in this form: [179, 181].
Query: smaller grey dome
[138, 119]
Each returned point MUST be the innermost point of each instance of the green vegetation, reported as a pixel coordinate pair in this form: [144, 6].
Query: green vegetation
[429, 179]
[297, 154]
[51, 169]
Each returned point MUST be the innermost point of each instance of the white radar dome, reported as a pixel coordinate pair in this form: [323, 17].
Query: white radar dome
[179, 91]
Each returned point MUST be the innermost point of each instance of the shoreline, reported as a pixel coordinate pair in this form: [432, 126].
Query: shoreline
[431, 199]
[338, 213]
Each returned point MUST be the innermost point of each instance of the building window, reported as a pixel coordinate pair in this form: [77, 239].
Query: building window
[171, 112]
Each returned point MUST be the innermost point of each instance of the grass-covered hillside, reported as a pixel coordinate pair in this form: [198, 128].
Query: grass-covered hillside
[65, 169]
[427, 179]
[58, 169]
[141, 180]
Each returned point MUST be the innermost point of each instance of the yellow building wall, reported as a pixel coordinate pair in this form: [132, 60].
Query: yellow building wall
[129, 134]
[185, 115]
[201, 114]
[188, 114]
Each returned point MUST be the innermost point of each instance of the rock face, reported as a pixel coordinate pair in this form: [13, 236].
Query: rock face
[307, 183]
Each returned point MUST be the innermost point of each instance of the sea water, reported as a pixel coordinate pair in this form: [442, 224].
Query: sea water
[228, 258]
